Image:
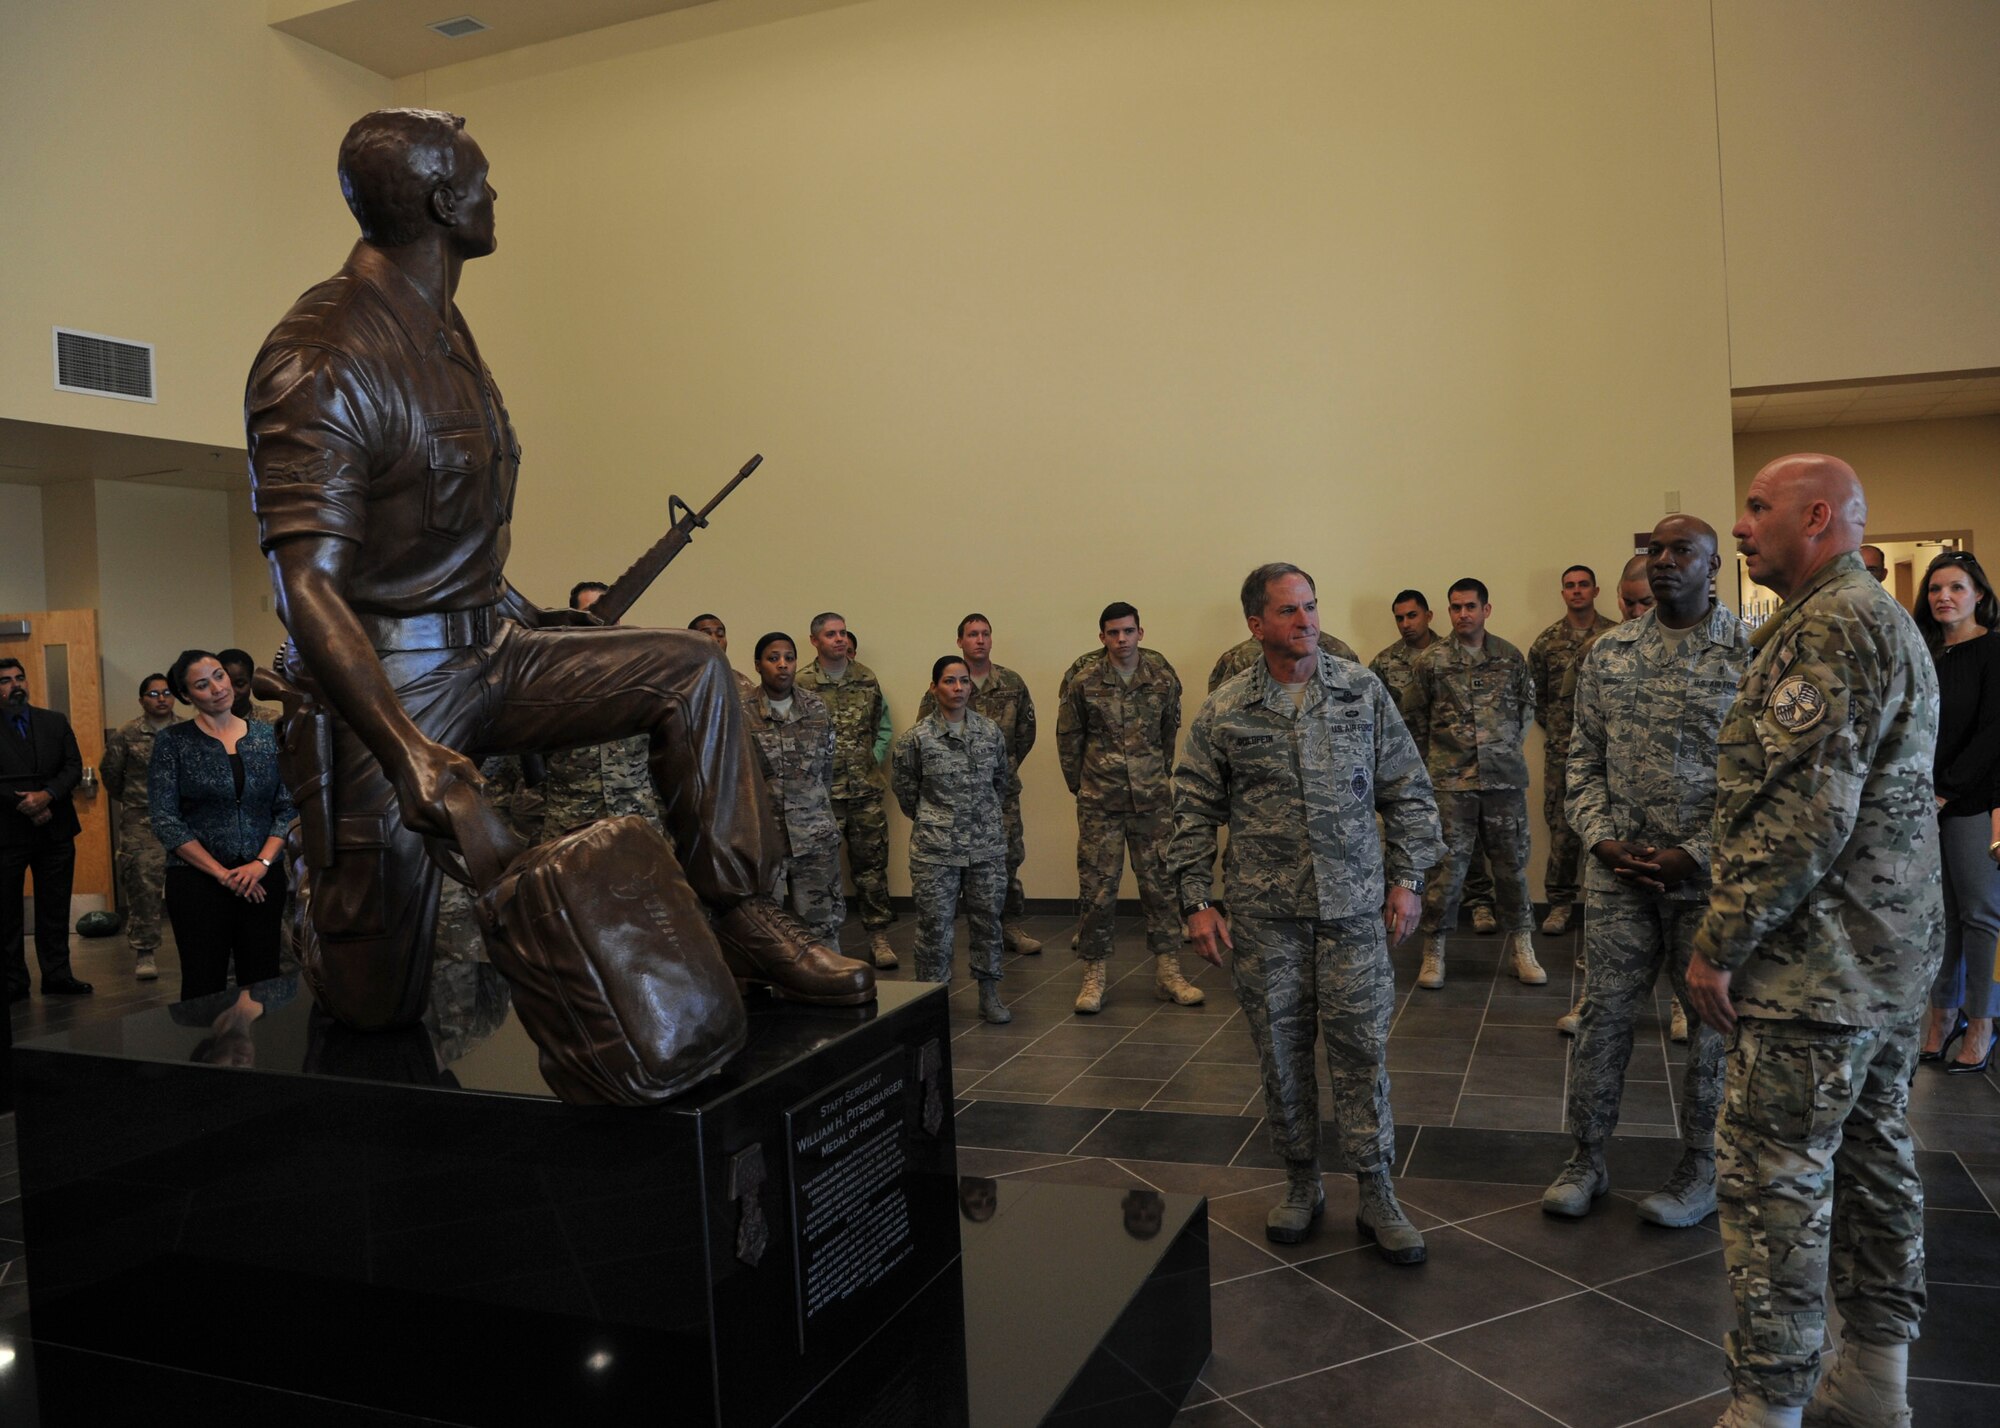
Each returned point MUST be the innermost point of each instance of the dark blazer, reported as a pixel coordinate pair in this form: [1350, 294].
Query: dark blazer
[49, 759]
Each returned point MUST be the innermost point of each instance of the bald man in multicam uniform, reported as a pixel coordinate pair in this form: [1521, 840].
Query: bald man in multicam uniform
[1822, 936]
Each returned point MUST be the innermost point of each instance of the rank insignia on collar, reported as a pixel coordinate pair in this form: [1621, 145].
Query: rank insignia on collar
[1359, 783]
[1797, 704]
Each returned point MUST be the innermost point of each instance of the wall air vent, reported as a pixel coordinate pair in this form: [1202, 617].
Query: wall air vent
[459, 28]
[101, 366]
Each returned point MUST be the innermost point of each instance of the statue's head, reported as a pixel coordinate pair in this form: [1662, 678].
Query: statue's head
[407, 171]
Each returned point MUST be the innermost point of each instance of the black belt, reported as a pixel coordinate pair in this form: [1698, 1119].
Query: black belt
[439, 630]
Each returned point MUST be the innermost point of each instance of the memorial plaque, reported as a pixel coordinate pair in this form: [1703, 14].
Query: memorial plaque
[849, 1149]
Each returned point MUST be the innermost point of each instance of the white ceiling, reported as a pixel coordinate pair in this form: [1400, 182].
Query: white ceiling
[38, 454]
[394, 38]
[1959, 394]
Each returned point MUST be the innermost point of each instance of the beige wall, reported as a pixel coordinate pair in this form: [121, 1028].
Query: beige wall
[163, 581]
[1035, 306]
[69, 545]
[253, 614]
[1860, 186]
[1921, 477]
[166, 175]
[23, 581]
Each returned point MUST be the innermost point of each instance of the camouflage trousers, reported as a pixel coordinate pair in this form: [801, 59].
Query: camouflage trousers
[1017, 854]
[1815, 1170]
[1627, 936]
[864, 827]
[939, 891]
[458, 939]
[1101, 841]
[142, 886]
[1497, 820]
[1296, 979]
[1478, 878]
[1561, 878]
[809, 888]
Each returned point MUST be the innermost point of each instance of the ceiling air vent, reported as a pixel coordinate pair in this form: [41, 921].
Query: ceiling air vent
[459, 28]
[101, 366]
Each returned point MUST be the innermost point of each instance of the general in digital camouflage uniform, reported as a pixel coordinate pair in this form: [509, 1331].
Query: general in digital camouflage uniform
[951, 779]
[1553, 660]
[795, 748]
[598, 781]
[1396, 667]
[1299, 787]
[1003, 697]
[1115, 740]
[1468, 710]
[1825, 929]
[1641, 773]
[1237, 658]
[861, 734]
[142, 862]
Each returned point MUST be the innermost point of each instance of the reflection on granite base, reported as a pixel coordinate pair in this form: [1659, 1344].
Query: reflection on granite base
[348, 1216]
[1073, 1306]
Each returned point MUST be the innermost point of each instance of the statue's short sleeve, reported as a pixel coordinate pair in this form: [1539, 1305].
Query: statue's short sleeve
[308, 415]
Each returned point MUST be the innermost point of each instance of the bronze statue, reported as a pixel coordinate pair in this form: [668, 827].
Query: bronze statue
[382, 465]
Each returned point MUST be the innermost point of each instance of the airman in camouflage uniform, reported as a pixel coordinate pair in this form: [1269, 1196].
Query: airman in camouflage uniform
[1237, 658]
[861, 733]
[1115, 739]
[712, 626]
[1002, 696]
[598, 781]
[1649, 703]
[1552, 661]
[793, 731]
[1298, 772]
[1396, 667]
[1468, 709]
[1822, 936]
[142, 862]
[950, 777]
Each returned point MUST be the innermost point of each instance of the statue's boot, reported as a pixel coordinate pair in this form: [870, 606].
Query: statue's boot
[765, 946]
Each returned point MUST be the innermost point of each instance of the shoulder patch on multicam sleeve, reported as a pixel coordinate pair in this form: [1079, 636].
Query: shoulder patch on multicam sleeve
[1796, 704]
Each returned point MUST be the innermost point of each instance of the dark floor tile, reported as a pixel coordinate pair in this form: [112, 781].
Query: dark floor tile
[12, 1249]
[1692, 1295]
[1449, 1023]
[1646, 1102]
[1954, 1405]
[1000, 1126]
[1455, 1200]
[1213, 1181]
[1958, 1336]
[1528, 1041]
[1464, 1281]
[1934, 1091]
[1609, 1243]
[1183, 1026]
[1019, 1098]
[10, 1220]
[975, 1161]
[1536, 1014]
[1495, 1156]
[1653, 1365]
[1044, 1074]
[1210, 1082]
[10, 1184]
[1392, 1390]
[13, 1302]
[1962, 1247]
[1166, 1135]
[1204, 1108]
[1526, 1113]
[1070, 1040]
[1231, 1256]
[1424, 1098]
[1107, 1091]
[1977, 1135]
[1948, 1185]
[973, 1056]
[1698, 1413]
[1088, 1171]
[1440, 1055]
[1229, 1048]
[1154, 1060]
[1259, 1153]
[1280, 1325]
[1491, 1074]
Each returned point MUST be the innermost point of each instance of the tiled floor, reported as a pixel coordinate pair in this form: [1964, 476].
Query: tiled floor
[1517, 1318]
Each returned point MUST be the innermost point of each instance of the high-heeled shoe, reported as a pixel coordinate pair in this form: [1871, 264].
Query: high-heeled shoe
[1944, 1047]
[1970, 1068]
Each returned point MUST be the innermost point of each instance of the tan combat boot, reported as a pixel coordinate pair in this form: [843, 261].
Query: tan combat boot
[1090, 1000]
[1381, 1219]
[1292, 1218]
[1019, 943]
[1581, 1183]
[1522, 947]
[1484, 922]
[1557, 922]
[1677, 1031]
[1170, 986]
[1747, 1410]
[1571, 1021]
[1865, 1388]
[1431, 975]
[879, 949]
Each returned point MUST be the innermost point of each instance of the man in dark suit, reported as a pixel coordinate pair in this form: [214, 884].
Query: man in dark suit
[39, 769]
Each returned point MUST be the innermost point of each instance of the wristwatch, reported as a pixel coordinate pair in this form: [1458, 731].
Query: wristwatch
[266, 862]
[1190, 909]
[1414, 882]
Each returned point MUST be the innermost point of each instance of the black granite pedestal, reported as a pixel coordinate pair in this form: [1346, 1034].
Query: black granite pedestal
[412, 1223]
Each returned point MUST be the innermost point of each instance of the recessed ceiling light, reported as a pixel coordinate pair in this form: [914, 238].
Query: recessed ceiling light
[459, 28]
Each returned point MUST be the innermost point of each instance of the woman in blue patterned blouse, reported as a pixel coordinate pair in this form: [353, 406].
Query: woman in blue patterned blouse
[221, 811]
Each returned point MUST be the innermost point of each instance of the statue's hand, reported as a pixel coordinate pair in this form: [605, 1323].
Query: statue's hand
[421, 785]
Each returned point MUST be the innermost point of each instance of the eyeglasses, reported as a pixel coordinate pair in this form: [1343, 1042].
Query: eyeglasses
[157, 694]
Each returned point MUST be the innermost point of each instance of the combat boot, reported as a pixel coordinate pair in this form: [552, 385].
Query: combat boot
[1571, 1021]
[1525, 966]
[1557, 922]
[1582, 1181]
[1090, 1000]
[764, 945]
[1382, 1220]
[1677, 1029]
[991, 1008]
[1291, 1219]
[879, 949]
[1747, 1410]
[1484, 922]
[1431, 974]
[1170, 986]
[1019, 943]
[146, 969]
[1864, 1388]
[1688, 1197]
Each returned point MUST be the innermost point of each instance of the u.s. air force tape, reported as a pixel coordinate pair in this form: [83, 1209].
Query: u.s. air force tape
[1797, 704]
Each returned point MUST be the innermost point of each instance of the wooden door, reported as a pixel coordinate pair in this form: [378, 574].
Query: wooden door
[60, 652]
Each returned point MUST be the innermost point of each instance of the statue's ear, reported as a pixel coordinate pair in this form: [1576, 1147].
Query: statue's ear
[444, 205]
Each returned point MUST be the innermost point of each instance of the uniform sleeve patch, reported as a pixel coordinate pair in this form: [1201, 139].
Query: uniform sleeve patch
[1797, 704]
